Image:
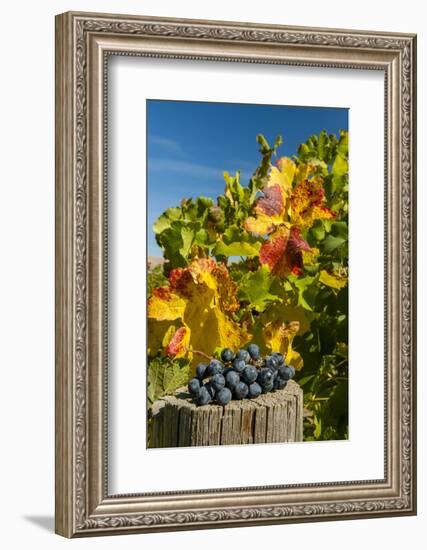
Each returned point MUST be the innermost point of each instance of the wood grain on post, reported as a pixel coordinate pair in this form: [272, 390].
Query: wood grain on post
[273, 417]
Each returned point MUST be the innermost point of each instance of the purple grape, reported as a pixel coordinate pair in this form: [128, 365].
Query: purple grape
[249, 374]
[239, 365]
[254, 390]
[194, 386]
[232, 378]
[201, 371]
[217, 381]
[204, 396]
[241, 390]
[224, 396]
[227, 355]
[244, 355]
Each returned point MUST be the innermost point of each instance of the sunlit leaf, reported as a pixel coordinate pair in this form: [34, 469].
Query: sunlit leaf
[255, 288]
[283, 174]
[271, 209]
[178, 345]
[282, 252]
[332, 280]
[308, 203]
[165, 305]
[233, 189]
[164, 221]
[203, 297]
[237, 242]
[236, 249]
[340, 166]
[309, 257]
[278, 337]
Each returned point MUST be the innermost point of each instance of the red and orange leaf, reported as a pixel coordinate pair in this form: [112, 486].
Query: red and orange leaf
[273, 252]
[294, 252]
[180, 281]
[272, 203]
[226, 287]
[283, 252]
[271, 210]
[308, 203]
[178, 344]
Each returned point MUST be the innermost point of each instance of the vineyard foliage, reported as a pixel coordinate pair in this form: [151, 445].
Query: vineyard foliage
[266, 262]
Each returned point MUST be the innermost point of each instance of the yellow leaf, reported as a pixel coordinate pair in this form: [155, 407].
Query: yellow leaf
[294, 358]
[278, 336]
[164, 305]
[308, 203]
[333, 280]
[262, 224]
[204, 296]
[283, 174]
[306, 170]
[309, 256]
[211, 328]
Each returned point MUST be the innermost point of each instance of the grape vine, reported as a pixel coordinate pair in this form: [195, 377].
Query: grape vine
[265, 264]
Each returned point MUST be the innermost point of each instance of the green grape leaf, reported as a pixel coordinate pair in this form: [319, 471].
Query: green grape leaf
[306, 291]
[342, 147]
[202, 238]
[318, 230]
[340, 229]
[331, 243]
[203, 204]
[165, 376]
[236, 249]
[233, 189]
[237, 242]
[166, 219]
[323, 147]
[170, 240]
[187, 236]
[255, 288]
[340, 166]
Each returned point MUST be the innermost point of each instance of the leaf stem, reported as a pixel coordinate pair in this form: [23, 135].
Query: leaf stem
[201, 353]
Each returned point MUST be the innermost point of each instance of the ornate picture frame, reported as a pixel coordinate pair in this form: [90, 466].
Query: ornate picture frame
[84, 42]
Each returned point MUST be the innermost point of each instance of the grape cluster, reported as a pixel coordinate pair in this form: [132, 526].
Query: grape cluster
[238, 376]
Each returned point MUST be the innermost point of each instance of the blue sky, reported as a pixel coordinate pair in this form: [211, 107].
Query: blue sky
[190, 144]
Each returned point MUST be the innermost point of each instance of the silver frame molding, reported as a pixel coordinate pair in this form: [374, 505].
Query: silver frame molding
[83, 43]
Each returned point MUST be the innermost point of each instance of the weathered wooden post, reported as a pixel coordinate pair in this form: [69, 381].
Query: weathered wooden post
[270, 418]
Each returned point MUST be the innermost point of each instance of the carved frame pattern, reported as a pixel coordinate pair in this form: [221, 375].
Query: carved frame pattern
[83, 506]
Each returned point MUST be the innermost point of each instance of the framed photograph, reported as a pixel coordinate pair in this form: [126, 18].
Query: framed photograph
[235, 274]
